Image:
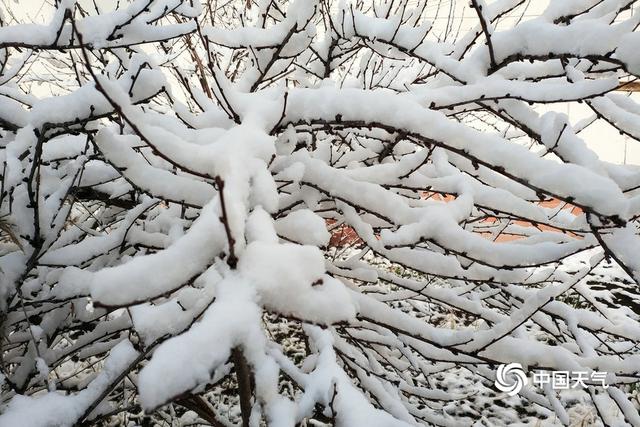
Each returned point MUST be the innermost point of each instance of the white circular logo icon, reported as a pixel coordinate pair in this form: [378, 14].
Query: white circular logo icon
[510, 378]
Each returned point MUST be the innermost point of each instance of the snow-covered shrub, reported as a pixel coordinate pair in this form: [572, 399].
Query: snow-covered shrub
[173, 173]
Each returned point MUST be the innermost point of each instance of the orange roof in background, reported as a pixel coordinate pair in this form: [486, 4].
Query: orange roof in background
[344, 235]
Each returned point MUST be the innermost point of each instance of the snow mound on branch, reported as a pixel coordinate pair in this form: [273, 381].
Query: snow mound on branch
[232, 320]
[303, 226]
[56, 409]
[627, 52]
[291, 279]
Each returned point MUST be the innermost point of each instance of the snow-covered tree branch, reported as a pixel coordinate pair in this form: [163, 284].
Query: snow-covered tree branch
[316, 212]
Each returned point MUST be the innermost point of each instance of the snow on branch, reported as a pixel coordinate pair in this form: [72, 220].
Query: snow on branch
[317, 212]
